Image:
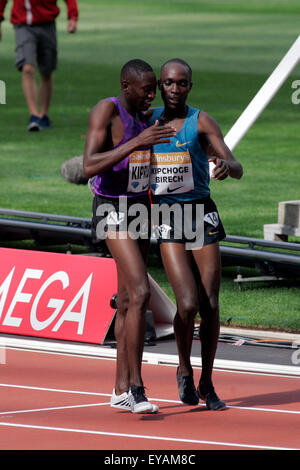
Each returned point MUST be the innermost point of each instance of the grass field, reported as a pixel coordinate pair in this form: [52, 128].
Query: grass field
[232, 46]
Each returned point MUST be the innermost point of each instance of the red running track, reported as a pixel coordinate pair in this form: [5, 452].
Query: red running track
[53, 401]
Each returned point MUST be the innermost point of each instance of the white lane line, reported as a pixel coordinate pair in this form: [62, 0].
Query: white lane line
[148, 437]
[45, 389]
[53, 408]
[271, 410]
[163, 400]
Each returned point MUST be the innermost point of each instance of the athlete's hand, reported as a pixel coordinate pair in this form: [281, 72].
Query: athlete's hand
[72, 26]
[155, 134]
[221, 169]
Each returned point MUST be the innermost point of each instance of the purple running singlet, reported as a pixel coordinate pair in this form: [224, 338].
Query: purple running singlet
[130, 177]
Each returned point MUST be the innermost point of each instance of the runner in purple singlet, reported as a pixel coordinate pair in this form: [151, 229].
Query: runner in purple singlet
[117, 157]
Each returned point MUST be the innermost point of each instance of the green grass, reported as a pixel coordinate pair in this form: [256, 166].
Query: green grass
[232, 46]
[260, 306]
[257, 305]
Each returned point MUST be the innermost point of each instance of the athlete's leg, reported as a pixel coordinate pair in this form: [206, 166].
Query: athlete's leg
[209, 266]
[47, 62]
[26, 50]
[178, 266]
[122, 367]
[134, 292]
[46, 89]
[30, 89]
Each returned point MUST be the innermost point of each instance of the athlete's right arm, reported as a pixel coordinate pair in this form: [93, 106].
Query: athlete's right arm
[96, 158]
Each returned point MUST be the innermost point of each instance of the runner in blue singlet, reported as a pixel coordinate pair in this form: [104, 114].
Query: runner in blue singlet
[190, 231]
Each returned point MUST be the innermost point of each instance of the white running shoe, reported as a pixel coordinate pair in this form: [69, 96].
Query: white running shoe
[122, 402]
[139, 402]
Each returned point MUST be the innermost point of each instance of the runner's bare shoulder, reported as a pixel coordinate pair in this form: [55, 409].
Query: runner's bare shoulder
[104, 110]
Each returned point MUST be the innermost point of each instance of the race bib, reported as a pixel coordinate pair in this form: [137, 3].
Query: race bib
[171, 173]
[139, 171]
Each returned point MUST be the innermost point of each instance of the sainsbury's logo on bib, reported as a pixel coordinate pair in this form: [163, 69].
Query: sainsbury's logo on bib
[139, 171]
[173, 158]
[171, 173]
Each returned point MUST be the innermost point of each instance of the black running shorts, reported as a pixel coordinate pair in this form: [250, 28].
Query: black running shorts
[195, 223]
[124, 214]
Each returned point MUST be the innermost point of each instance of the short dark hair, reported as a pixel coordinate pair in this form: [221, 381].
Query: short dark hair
[179, 61]
[135, 67]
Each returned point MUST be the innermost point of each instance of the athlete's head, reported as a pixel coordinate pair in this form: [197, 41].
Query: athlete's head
[175, 82]
[138, 83]
[135, 67]
[180, 62]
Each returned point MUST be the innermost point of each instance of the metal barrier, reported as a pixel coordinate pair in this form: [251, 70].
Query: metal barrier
[271, 258]
[52, 229]
[44, 228]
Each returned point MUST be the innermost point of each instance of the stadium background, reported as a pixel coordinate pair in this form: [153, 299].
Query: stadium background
[232, 46]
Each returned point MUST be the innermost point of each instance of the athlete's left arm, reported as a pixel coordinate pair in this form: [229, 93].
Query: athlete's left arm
[226, 164]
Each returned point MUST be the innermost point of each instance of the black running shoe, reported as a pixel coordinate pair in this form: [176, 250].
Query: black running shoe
[33, 123]
[138, 401]
[44, 123]
[187, 391]
[212, 400]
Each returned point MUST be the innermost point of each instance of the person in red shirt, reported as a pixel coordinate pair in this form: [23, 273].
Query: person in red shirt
[36, 46]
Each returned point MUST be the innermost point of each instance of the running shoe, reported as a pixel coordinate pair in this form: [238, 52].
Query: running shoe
[211, 399]
[44, 123]
[33, 123]
[187, 391]
[139, 402]
[122, 402]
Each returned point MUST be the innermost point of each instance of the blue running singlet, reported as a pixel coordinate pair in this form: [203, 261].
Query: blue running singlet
[179, 169]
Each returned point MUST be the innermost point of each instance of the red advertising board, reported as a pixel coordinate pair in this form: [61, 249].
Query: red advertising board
[56, 296]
